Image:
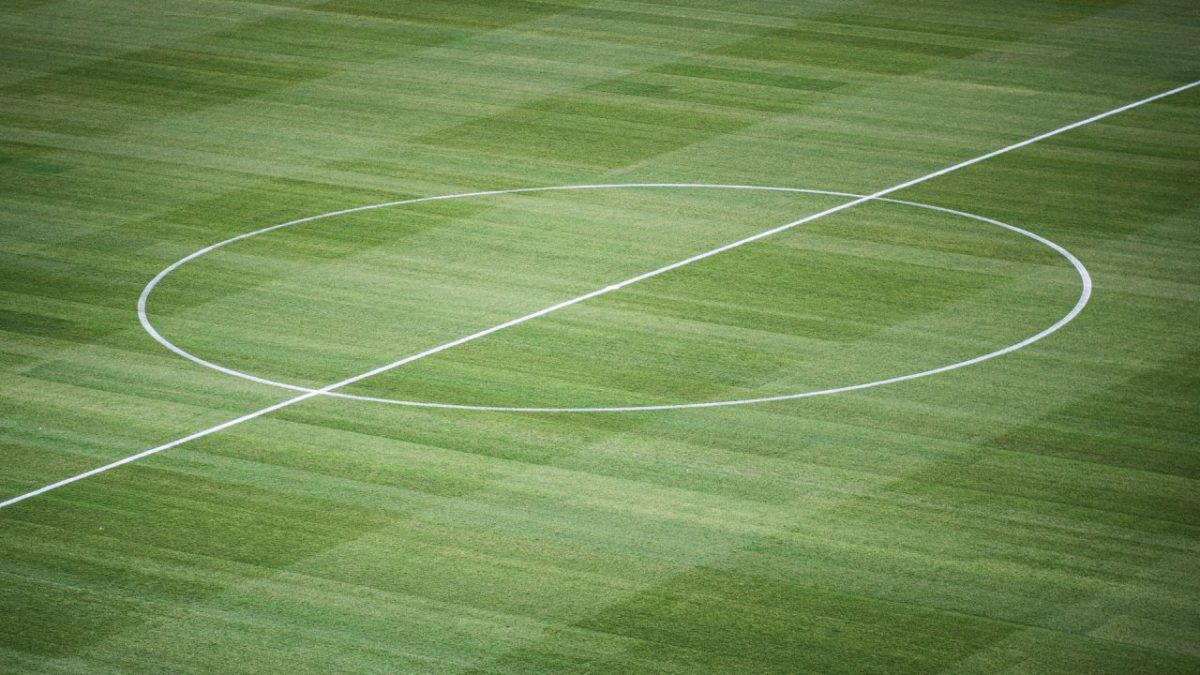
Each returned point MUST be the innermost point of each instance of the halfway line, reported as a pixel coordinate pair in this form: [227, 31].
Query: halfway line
[587, 296]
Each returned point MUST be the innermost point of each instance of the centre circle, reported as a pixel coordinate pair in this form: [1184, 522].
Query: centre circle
[1084, 295]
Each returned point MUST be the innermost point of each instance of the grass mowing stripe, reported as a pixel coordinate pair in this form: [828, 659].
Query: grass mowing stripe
[593, 294]
[1001, 540]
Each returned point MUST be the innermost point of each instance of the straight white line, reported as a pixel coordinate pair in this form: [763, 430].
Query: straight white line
[596, 293]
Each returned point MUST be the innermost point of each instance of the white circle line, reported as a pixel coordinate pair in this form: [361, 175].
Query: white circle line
[1084, 296]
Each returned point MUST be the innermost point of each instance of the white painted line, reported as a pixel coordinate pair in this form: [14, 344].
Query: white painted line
[587, 296]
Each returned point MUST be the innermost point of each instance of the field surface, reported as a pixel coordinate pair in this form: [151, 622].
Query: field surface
[1037, 512]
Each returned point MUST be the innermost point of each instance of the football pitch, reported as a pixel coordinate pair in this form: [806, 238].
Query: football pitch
[531, 336]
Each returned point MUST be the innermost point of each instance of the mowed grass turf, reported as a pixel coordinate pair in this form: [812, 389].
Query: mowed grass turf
[1035, 513]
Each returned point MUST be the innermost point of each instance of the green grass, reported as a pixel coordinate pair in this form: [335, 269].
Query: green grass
[1038, 513]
